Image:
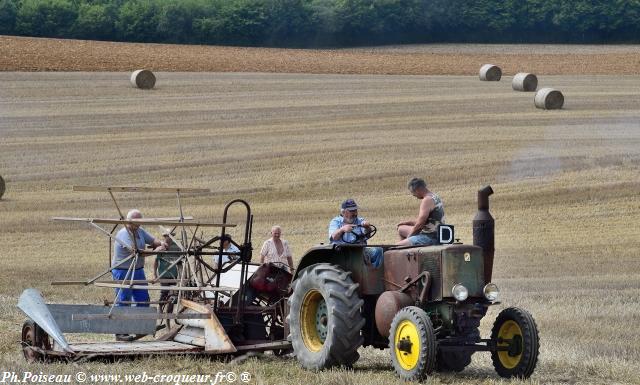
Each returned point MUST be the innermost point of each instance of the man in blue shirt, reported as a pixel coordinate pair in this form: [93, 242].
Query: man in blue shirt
[349, 228]
[123, 270]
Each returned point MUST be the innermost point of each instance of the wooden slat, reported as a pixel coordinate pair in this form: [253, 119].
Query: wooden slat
[140, 189]
[132, 347]
[158, 287]
[143, 222]
[191, 335]
[70, 283]
[84, 317]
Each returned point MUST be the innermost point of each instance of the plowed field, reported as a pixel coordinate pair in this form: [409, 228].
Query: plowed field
[36, 54]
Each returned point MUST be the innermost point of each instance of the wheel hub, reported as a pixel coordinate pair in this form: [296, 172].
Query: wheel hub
[407, 343]
[510, 336]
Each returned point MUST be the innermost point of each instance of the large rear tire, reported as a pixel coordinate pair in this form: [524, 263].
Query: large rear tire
[515, 328]
[412, 343]
[324, 317]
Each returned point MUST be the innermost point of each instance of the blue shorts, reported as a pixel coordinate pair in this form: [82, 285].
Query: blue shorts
[423, 240]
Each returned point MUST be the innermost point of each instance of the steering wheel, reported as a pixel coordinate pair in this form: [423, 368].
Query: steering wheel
[360, 237]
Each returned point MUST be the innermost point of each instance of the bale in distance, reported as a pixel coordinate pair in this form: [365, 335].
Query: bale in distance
[2, 187]
[143, 79]
[549, 99]
[490, 73]
[524, 82]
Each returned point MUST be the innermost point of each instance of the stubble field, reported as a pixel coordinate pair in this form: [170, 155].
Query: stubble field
[566, 183]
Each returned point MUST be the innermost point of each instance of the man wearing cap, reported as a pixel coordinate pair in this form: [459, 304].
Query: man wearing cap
[344, 227]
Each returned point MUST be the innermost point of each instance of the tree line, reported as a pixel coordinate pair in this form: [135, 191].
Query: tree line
[317, 23]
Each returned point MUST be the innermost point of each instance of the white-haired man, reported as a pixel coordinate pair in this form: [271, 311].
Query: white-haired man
[124, 270]
[276, 249]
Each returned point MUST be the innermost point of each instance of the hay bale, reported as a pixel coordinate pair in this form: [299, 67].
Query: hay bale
[1, 187]
[490, 73]
[143, 79]
[549, 99]
[524, 82]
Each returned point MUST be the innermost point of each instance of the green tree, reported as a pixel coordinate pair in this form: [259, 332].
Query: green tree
[138, 21]
[51, 18]
[176, 20]
[95, 21]
[244, 22]
[8, 12]
[289, 22]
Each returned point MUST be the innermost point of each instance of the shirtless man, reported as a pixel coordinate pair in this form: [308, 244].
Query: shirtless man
[422, 230]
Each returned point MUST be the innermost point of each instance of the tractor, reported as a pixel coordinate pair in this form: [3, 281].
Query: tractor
[423, 303]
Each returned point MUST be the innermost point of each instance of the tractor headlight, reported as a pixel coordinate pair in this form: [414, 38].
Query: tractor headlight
[491, 292]
[460, 293]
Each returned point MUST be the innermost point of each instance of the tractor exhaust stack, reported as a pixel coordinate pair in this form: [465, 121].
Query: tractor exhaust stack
[483, 231]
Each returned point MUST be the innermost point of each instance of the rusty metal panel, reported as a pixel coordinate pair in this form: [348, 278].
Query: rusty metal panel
[463, 264]
[400, 267]
[431, 261]
[64, 316]
[369, 278]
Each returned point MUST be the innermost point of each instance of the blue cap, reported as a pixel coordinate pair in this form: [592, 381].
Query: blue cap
[349, 205]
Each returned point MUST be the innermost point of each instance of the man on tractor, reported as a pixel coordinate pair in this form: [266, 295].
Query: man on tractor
[349, 228]
[422, 230]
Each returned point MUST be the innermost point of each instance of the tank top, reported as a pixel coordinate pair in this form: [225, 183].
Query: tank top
[436, 217]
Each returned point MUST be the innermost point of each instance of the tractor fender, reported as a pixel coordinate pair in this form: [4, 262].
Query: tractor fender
[370, 279]
[316, 254]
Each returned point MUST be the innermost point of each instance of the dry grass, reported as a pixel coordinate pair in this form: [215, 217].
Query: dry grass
[38, 54]
[566, 183]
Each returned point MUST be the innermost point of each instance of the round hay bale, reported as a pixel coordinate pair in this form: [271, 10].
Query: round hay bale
[490, 73]
[524, 82]
[143, 79]
[549, 99]
[1, 187]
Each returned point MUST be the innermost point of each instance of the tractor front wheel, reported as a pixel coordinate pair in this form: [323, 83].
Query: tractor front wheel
[516, 330]
[412, 342]
[324, 317]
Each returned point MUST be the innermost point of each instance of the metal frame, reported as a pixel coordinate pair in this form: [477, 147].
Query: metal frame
[196, 277]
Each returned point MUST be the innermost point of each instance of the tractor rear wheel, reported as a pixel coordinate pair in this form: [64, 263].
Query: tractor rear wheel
[412, 342]
[34, 340]
[324, 317]
[515, 328]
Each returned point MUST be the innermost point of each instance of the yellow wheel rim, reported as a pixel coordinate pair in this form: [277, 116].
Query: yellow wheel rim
[508, 331]
[407, 334]
[314, 320]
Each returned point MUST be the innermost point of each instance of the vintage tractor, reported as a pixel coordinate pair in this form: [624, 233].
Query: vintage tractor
[424, 304]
